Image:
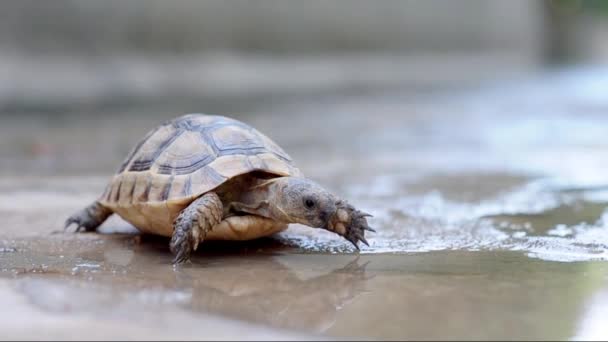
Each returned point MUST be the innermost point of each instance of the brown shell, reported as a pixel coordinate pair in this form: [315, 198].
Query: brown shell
[186, 157]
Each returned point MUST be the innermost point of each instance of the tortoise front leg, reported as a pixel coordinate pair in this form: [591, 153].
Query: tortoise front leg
[89, 218]
[193, 223]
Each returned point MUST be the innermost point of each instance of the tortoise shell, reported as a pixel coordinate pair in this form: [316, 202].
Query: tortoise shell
[184, 158]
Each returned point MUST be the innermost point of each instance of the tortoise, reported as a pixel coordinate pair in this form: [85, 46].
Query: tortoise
[209, 177]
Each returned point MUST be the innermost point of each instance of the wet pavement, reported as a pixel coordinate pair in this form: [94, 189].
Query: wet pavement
[489, 205]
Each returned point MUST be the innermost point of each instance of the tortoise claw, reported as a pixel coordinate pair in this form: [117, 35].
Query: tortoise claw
[181, 257]
[88, 219]
[362, 239]
[181, 246]
[354, 243]
[73, 220]
[355, 225]
[68, 223]
[369, 229]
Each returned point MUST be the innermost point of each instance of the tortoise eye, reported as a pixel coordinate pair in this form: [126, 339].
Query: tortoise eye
[309, 203]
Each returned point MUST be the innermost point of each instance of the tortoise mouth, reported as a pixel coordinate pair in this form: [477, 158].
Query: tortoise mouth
[321, 219]
[238, 213]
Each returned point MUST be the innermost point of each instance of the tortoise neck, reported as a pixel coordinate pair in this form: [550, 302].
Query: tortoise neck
[260, 185]
[263, 198]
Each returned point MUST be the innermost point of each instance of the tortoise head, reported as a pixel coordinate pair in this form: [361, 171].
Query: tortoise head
[300, 200]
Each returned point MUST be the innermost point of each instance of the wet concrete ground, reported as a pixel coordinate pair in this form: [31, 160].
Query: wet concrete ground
[490, 207]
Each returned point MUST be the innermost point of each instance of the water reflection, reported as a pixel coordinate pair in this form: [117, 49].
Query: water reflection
[270, 292]
[480, 294]
[286, 290]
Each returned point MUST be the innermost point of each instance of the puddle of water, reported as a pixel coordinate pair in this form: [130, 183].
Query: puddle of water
[345, 295]
[71, 309]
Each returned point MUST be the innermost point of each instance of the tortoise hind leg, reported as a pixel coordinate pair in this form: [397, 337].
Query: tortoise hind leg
[193, 223]
[89, 218]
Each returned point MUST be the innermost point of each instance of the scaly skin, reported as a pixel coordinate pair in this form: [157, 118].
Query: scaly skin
[192, 225]
[89, 218]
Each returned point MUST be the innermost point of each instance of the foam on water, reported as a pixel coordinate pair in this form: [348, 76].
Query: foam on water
[432, 223]
[552, 134]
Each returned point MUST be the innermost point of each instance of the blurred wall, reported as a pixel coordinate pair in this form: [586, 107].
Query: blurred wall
[63, 55]
[270, 25]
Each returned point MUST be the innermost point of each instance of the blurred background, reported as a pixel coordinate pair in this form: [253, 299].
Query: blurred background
[473, 130]
[121, 52]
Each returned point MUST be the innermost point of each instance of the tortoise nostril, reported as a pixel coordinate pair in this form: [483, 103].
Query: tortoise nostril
[324, 216]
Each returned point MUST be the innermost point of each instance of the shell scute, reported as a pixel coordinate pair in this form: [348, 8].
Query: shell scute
[190, 155]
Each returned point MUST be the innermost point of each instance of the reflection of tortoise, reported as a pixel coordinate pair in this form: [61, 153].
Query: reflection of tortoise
[210, 177]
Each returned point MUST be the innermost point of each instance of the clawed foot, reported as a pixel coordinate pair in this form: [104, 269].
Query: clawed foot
[192, 225]
[78, 220]
[182, 246]
[350, 223]
[186, 237]
[87, 219]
